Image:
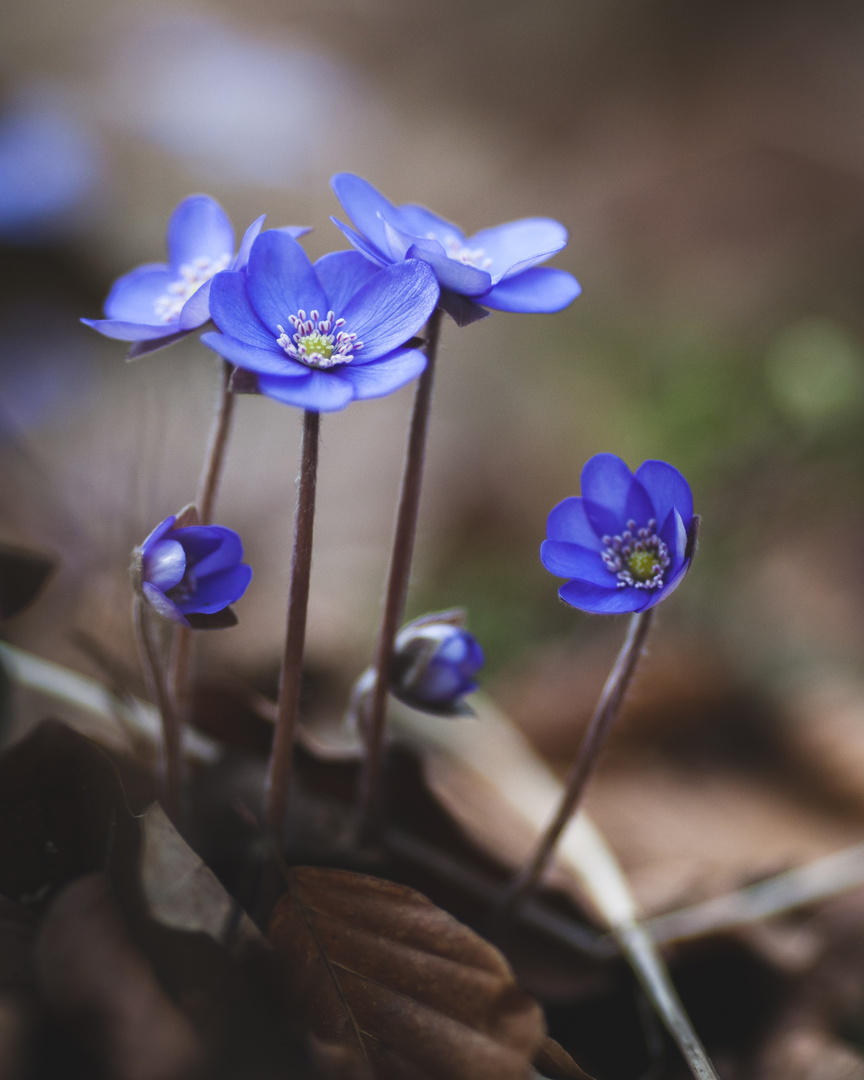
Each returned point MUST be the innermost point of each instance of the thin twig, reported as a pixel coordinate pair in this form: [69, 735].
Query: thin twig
[369, 800]
[279, 771]
[170, 755]
[593, 741]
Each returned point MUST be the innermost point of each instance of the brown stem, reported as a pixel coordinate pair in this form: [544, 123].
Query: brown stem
[279, 771]
[370, 803]
[576, 780]
[170, 753]
[211, 473]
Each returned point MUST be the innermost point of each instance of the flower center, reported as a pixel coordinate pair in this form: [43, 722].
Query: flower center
[461, 252]
[638, 557]
[317, 342]
[192, 276]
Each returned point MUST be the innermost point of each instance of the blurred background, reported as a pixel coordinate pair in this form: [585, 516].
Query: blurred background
[708, 161]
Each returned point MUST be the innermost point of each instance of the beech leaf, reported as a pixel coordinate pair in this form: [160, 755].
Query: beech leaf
[376, 968]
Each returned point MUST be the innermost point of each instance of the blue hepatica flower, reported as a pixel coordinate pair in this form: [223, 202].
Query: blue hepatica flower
[321, 336]
[497, 268]
[158, 303]
[435, 661]
[194, 570]
[624, 542]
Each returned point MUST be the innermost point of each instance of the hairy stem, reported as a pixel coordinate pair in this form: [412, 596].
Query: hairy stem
[370, 803]
[279, 771]
[605, 714]
[170, 752]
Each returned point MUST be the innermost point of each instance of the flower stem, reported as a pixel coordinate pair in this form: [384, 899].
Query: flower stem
[605, 714]
[279, 771]
[170, 752]
[370, 803]
[211, 473]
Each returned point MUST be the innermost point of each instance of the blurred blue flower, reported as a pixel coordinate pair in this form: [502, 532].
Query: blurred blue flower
[194, 570]
[625, 542]
[158, 303]
[496, 268]
[321, 336]
[435, 660]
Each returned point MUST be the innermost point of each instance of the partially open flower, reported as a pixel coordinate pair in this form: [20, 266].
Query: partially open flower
[435, 660]
[626, 542]
[192, 573]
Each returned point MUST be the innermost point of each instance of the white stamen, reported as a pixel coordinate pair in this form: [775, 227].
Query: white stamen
[192, 276]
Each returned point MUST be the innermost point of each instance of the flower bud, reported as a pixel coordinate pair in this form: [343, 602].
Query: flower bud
[434, 663]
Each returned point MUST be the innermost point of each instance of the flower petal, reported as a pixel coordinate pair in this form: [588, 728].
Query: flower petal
[606, 484]
[161, 529]
[540, 290]
[419, 221]
[127, 331]
[196, 311]
[674, 536]
[391, 307]
[133, 297]
[232, 311]
[666, 488]
[281, 281]
[217, 591]
[162, 604]
[599, 601]
[519, 244]
[271, 361]
[573, 561]
[343, 273]
[164, 564]
[569, 521]
[362, 203]
[249, 238]
[226, 553]
[361, 244]
[452, 274]
[199, 228]
[320, 391]
[145, 348]
[638, 507]
[382, 377]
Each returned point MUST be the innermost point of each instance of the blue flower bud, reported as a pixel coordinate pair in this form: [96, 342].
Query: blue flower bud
[434, 663]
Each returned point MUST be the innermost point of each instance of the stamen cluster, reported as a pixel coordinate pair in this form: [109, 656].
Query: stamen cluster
[462, 253]
[317, 342]
[192, 276]
[637, 557]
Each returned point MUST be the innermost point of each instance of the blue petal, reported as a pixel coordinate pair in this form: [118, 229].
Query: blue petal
[639, 507]
[383, 376]
[126, 331]
[517, 245]
[419, 221]
[606, 484]
[233, 313]
[320, 391]
[452, 274]
[198, 542]
[540, 290]
[674, 536]
[162, 604]
[199, 228]
[343, 273]
[271, 361]
[133, 297]
[361, 244]
[391, 307]
[196, 311]
[670, 585]
[599, 601]
[164, 564]
[227, 553]
[399, 241]
[218, 591]
[281, 281]
[362, 203]
[568, 521]
[249, 238]
[145, 348]
[440, 682]
[161, 529]
[573, 561]
[667, 488]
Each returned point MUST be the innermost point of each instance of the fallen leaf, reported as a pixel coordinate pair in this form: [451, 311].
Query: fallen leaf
[377, 968]
[554, 1063]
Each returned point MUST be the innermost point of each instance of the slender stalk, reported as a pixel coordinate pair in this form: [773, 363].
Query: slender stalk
[170, 751]
[370, 805]
[211, 473]
[605, 714]
[279, 771]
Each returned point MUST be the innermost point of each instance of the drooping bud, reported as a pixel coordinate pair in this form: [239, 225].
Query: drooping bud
[435, 661]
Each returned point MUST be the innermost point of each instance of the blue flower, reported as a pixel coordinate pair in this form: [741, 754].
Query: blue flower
[496, 267]
[321, 336]
[625, 544]
[435, 660]
[158, 303]
[192, 571]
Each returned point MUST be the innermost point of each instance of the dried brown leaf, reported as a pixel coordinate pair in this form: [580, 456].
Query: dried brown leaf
[377, 968]
[554, 1063]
